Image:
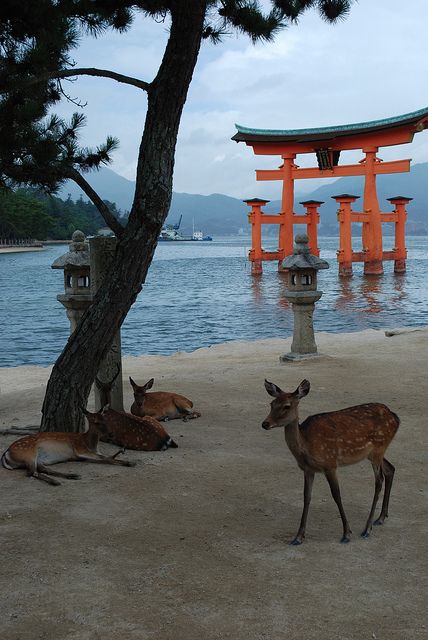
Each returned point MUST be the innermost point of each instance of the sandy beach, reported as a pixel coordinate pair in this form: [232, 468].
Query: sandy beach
[192, 543]
[20, 249]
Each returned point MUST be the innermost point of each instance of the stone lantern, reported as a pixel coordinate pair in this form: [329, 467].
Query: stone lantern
[302, 292]
[77, 295]
[84, 268]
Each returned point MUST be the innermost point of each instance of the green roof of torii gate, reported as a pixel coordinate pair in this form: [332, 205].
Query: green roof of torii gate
[246, 134]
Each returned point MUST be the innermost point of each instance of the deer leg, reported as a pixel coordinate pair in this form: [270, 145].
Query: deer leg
[388, 471]
[33, 471]
[378, 488]
[118, 453]
[59, 474]
[100, 459]
[307, 493]
[189, 414]
[335, 492]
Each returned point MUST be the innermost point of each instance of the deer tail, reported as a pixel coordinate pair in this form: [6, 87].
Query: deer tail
[5, 461]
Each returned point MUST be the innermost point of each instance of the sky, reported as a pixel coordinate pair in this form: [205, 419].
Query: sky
[372, 65]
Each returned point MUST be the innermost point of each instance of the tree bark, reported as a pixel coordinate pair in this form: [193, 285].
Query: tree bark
[75, 370]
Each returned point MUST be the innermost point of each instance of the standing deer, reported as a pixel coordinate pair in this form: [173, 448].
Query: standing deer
[37, 452]
[162, 405]
[129, 431]
[329, 440]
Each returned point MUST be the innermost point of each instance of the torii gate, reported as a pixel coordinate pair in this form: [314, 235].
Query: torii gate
[327, 143]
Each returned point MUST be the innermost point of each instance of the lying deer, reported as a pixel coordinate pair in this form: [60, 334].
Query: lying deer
[162, 405]
[37, 452]
[326, 441]
[129, 431]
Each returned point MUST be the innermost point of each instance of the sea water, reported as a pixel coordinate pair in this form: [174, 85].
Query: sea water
[202, 293]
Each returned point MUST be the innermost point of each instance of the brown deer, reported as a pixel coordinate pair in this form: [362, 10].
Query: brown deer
[129, 431]
[37, 452]
[162, 405]
[329, 440]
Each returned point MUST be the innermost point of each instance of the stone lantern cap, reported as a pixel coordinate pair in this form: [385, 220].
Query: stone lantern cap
[301, 258]
[78, 255]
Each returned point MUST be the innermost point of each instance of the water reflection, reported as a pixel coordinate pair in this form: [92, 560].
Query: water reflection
[268, 287]
[371, 294]
[371, 291]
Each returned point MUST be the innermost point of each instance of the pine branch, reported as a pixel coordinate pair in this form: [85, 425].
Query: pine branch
[109, 218]
[102, 73]
[69, 73]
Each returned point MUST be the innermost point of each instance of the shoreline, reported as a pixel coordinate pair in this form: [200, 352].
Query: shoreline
[20, 249]
[229, 348]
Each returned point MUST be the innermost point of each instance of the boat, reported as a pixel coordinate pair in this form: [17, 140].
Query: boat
[170, 233]
[199, 236]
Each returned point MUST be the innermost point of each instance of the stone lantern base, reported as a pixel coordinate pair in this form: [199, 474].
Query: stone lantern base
[297, 357]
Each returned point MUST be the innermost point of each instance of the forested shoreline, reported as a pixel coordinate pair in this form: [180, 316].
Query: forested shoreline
[31, 213]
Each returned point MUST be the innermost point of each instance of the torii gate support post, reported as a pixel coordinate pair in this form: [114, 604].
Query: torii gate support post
[255, 219]
[400, 250]
[311, 207]
[344, 214]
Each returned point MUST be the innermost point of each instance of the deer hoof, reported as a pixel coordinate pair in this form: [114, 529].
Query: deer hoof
[345, 540]
[365, 534]
[296, 542]
[379, 522]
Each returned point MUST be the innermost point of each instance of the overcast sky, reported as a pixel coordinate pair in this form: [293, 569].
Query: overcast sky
[371, 66]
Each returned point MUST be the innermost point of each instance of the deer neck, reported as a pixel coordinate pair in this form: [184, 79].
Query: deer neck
[294, 439]
[92, 438]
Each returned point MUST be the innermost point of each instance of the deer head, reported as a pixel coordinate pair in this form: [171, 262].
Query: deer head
[140, 391]
[106, 387]
[96, 420]
[284, 406]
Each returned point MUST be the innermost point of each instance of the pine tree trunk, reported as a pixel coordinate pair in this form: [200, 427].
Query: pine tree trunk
[75, 370]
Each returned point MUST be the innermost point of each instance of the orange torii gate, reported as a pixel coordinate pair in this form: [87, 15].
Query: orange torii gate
[327, 143]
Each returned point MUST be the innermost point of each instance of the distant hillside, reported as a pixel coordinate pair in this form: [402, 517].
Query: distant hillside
[218, 214]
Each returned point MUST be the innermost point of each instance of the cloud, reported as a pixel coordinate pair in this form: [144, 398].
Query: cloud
[370, 66]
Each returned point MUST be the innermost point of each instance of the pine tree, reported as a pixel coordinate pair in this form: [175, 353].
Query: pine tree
[34, 62]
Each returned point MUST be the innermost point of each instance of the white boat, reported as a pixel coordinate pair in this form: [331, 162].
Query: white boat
[170, 233]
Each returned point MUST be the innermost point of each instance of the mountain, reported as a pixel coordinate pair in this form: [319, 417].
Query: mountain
[218, 214]
[108, 184]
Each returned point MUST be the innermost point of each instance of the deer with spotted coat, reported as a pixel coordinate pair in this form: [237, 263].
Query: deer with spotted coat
[329, 440]
[162, 405]
[37, 452]
[130, 431]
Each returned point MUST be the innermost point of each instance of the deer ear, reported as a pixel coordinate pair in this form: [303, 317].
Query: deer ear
[132, 382]
[104, 409]
[303, 389]
[272, 389]
[149, 384]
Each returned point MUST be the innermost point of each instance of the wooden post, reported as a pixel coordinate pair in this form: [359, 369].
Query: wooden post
[255, 219]
[101, 253]
[400, 250]
[372, 229]
[344, 255]
[311, 207]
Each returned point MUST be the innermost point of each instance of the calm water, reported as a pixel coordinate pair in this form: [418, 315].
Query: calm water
[199, 294]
